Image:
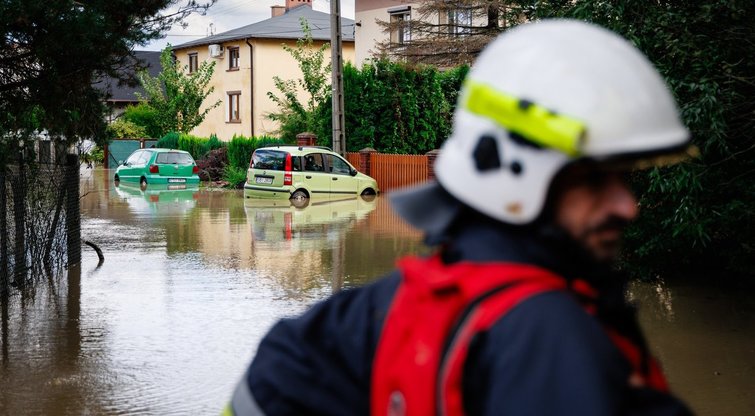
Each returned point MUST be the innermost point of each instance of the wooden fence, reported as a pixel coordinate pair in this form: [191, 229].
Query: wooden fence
[393, 171]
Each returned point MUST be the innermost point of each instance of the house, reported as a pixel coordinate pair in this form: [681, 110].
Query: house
[247, 59]
[441, 33]
[120, 95]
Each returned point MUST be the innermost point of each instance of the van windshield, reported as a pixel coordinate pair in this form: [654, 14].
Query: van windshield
[269, 159]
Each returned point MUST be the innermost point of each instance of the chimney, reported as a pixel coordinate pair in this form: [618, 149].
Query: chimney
[291, 4]
[277, 10]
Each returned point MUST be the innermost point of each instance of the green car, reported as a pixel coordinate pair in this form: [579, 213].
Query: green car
[298, 172]
[174, 168]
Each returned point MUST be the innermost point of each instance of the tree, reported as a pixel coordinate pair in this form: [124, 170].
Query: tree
[52, 53]
[145, 116]
[447, 33]
[176, 96]
[294, 116]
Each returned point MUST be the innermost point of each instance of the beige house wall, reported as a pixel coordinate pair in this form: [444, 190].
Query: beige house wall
[368, 33]
[258, 64]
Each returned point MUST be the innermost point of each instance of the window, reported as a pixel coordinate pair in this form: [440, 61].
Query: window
[233, 59]
[269, 159]
[459, 21]
[144, 158]
[174, 158]
[234, 112]
[400, 25]
[338, 165]
[313, 162]
[193, 62]
[134, 158]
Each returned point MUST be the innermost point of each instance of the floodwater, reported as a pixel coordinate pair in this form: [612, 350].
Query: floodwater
[192, 279]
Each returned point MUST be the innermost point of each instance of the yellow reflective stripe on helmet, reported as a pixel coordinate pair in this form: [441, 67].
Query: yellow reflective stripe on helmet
[533, 122]
[228, 411]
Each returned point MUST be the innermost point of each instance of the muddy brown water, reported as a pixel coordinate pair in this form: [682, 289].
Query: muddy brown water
[192, 279]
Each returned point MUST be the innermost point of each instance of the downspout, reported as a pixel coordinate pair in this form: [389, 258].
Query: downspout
[251, 85]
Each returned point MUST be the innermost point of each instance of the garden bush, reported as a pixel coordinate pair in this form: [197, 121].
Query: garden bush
[169, 141]
[212, 165]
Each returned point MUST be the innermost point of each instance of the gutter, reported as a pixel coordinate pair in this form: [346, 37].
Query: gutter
[251, 86]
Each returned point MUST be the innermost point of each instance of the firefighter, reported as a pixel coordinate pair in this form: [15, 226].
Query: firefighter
[519, 310]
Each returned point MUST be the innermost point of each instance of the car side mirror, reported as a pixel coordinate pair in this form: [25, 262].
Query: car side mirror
[353, 172]
[120, 162]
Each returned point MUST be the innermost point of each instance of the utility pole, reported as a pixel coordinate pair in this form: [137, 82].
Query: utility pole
[336, 60]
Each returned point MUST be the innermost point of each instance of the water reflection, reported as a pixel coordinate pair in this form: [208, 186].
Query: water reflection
[170, 200]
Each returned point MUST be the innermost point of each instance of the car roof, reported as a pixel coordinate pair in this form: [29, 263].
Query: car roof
[297, 150]
[164, 150]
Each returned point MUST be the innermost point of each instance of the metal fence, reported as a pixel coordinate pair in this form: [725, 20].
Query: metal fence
[40, 228]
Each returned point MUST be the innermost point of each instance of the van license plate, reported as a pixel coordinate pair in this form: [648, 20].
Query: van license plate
[267, 181]
[176, 180]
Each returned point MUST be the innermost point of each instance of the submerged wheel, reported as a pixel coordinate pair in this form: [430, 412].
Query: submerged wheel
[299, 195]
[368, 191]
[143, 183]
[116, 180]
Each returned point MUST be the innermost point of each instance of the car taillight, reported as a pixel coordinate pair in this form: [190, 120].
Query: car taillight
[251, 161]
[288, 177]
[153, 169]
[195, 169]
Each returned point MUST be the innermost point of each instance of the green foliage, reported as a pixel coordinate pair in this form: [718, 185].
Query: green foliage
[169, 141]
[240, 149]
[123, 129]
[176, 96]
[295, 117]
[234, 176]
[197, 146]
[396, 108]
[145, 116]
[697, 216]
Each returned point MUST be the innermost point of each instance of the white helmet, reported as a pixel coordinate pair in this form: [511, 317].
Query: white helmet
[544, 95]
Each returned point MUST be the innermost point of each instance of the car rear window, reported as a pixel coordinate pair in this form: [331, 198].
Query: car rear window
[174, 158]
[269, 159]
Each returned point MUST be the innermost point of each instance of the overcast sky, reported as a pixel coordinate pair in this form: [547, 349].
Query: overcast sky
[225, 15]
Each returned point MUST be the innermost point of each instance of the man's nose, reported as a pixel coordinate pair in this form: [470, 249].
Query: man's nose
[622, 201]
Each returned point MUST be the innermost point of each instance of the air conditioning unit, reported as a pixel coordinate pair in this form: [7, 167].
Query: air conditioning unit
[216, 51]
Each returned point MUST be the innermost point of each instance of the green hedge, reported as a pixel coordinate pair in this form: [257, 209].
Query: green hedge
[394, 107]
[196, 146]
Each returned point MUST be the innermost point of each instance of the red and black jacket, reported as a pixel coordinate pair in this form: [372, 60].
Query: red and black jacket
[439, 309]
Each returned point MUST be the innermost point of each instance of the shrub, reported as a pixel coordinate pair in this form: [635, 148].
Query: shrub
[122, 129]
[212, 165]
[234, 176]
[240, 150]
[169, 141]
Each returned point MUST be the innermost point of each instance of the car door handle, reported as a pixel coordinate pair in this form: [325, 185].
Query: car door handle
[335, 179]
[309, 176]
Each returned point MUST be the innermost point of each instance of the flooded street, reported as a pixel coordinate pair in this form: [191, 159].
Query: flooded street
[192, 279]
